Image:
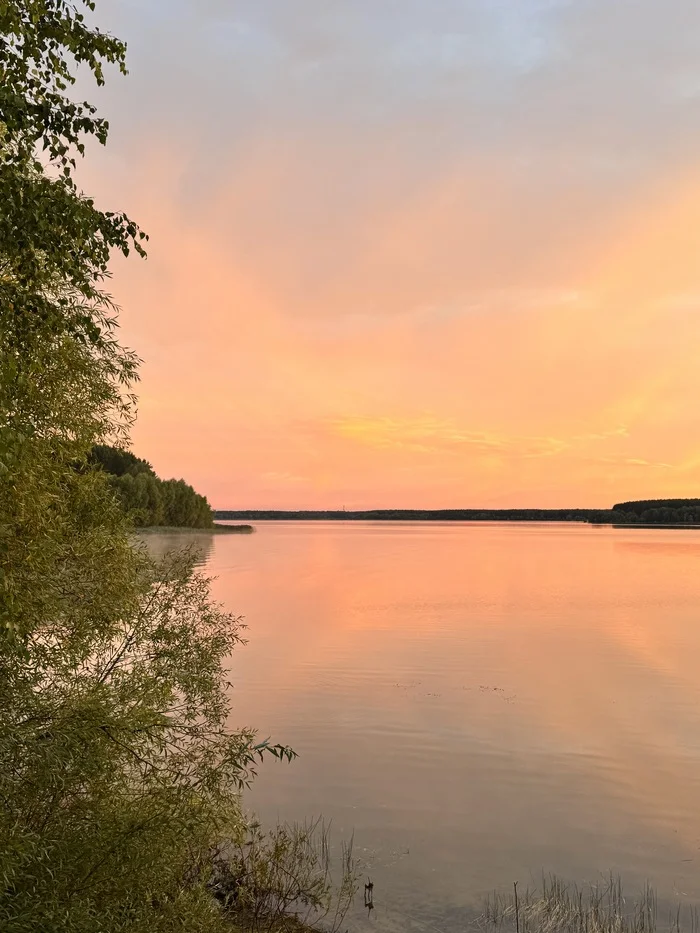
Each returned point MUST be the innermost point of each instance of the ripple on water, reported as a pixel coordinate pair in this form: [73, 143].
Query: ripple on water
[478, 703]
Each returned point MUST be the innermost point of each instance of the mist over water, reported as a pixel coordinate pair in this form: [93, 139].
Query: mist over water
[476, 702]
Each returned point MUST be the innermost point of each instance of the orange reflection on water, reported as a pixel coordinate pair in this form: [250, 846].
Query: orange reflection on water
[495, 698]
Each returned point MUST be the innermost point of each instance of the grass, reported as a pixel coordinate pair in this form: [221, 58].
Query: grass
[558, 907]
[283, 880]
[554, 907]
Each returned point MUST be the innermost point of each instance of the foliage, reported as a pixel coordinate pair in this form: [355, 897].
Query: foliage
[660, 511]
[642, 505]
[64, 379]
[153, 501]
[118, 462]
[114, 733]
[54, 243]
[429, 515]
[614, 517]
[653, 511]
[147, 499]
[39, 39]
[282, 880]
[117, 771]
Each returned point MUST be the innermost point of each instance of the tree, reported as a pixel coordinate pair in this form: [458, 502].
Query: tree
[147, 499]
[64, 378]
[117, 461]
[117, 772]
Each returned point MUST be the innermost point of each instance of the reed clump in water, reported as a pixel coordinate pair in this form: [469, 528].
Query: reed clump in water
[558, 907]
[283, 881]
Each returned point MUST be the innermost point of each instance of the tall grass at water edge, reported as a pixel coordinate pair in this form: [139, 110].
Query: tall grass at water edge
[557, 907]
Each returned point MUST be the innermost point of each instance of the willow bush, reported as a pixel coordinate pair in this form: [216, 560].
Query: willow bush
[118, 775]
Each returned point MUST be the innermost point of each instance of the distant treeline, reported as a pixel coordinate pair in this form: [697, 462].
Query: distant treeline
[148, 499]
[450, 515]
[648, 512]
[659, 512]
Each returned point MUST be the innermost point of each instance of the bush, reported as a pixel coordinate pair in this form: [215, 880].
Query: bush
[113, 733]
[282, 879]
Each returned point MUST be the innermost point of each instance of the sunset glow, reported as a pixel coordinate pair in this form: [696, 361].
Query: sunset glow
[420, 255]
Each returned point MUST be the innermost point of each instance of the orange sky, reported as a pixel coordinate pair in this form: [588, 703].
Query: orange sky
[428, 257]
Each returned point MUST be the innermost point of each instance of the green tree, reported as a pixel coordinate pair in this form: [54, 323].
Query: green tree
[145, 497]
[117, 461]
[117, 771]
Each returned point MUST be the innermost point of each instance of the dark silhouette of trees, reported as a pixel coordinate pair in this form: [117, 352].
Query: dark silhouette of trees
[118, 462]
[650, 512]
[455, 515]
[146, 498]
[662, 511]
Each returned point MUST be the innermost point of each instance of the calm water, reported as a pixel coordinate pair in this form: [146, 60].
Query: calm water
[477, 702]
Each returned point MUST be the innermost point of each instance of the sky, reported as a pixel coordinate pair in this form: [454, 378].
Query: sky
[411, 253]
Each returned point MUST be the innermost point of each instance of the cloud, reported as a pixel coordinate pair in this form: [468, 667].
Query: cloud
[431, 252]
[430, 434]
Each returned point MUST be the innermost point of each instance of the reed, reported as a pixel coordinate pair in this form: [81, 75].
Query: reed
[283, 880]
[558, 907]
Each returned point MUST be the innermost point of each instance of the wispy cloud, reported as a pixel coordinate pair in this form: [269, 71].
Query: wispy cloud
[416, 251]
[428, 433]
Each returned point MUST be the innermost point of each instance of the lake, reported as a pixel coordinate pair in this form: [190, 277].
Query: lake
[477, 702]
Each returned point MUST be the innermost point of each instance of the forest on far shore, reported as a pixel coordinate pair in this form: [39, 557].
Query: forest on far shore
[649, 511]
[659, 511]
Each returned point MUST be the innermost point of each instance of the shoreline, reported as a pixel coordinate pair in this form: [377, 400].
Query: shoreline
[428, 518]
[216, 529]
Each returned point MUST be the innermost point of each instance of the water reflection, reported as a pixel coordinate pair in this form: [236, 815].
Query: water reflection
[160, 543]
[478, 702]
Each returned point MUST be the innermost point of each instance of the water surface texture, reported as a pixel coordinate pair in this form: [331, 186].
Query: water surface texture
[477, 702]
